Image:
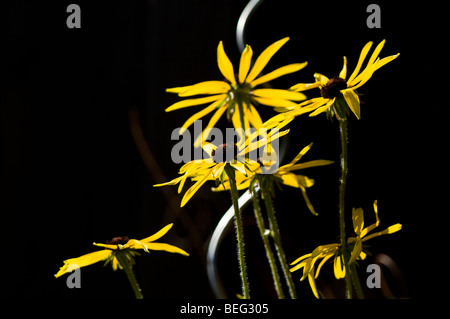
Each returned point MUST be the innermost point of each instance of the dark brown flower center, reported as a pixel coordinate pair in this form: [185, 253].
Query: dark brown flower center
[121, 240]
[333, 88]
[224, 153]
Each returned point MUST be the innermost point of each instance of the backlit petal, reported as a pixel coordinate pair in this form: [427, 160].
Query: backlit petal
[361, 59]
[279, 94]
[291, 68]
[166, 247]
[352, 100]
[192, 102]
[158, 234]
[244, 65]
[264, 58]
[225, 65]
[207, 87]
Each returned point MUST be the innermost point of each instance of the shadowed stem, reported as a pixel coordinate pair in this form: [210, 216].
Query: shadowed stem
[350, 274]
[239, 231]
[279, 248]
[126, 265]
[267, 247]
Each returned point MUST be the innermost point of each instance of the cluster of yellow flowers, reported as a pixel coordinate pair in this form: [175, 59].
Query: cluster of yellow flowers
[239, 96]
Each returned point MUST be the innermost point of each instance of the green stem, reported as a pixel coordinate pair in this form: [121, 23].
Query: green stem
[342, 185]
[124, 262]
[239, 231]
[356, 282]
[267, 247]
[279, 248]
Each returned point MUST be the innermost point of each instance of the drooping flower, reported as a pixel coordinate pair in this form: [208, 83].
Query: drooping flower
[237, 95]
[283, 175]
[339, 93]
[325, 252]
[213, 167]
[120, 245]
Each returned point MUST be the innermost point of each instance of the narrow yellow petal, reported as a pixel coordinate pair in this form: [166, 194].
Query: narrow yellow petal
[158, 234]
[300, 259]
[287, 69]
[361, 59]
[339, 269]
[343, 72]
[356, 251]
[244, 65]
[322, 79]
[279, 94]
[352, 100]
[197, 116]
[214, 119]
[225, 65]
[358, 220]
[304, 86]
[253, 116]
[312, 284]
[274, 102]
[264, 58]
[179, 89]
[192, 102]
[307, 201]
[191, 191]
[82, 261]
[322, 109]
[207, 87]
[167, 247]
[389, 230]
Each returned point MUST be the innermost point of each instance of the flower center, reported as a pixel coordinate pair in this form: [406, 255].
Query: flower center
[224, 153]
[333, 88]
[121, 240]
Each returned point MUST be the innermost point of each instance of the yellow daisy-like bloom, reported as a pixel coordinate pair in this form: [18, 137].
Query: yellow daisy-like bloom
[334, 89]
[237, 95]
[120, 245]
[213, 167]
[325, 252]
[284, 175]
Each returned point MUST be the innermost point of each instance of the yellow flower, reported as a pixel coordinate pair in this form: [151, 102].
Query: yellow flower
[237, 95]
[120, 245]
[325, 252]
[213, 167]
[333, 90]
[284, 175]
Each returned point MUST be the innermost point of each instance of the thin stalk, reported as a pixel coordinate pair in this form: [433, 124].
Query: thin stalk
[356, 282]
[342, 185]
[123, 261]
[267, 247]
[277, 240]
[239, 231]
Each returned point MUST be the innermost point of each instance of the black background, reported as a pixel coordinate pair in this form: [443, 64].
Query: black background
[72, 174]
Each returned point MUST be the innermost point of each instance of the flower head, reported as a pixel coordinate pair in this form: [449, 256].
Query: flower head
[213, 167]
[339, 92]
[284, 175]
[236, 95]
[120, 245]
[325, 252]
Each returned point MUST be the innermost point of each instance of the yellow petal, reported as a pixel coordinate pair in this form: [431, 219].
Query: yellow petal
[167, 247]
[191, 191]
[375, 53]
[274, 102]
[358, 220]
[323, 108]
[207, 87]
[304, 86]
[225, 66]
[339, 269]
[374, 225]
[244, 65]
[291, 68]
[300, 259]
[197, 116]
[192, 102]
[322, 79]
[253, 116]
[279, 94]
[389, 230]
[312, 284]
[264, 58]
[214, 119]
[307, 201]
[352, 100]
[343, 72]
[82, 261]
[362, 56]
[304, 165]
[137, 244]
[158, 234]
[179, 89]
[356, 251]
